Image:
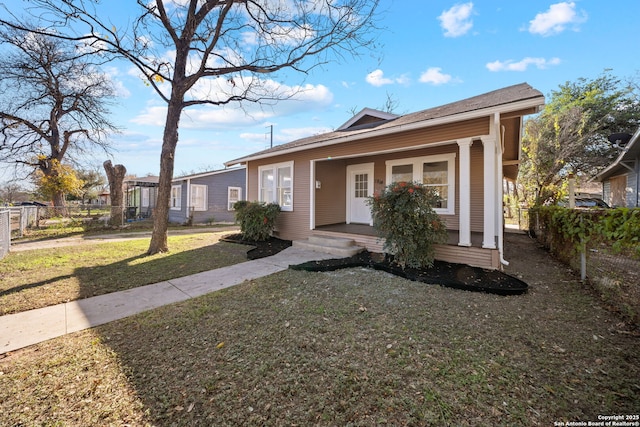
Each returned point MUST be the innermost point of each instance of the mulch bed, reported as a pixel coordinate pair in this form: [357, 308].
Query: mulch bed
[452, 275]
[261, 249]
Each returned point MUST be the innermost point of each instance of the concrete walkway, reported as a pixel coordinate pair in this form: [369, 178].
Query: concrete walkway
[31, 327]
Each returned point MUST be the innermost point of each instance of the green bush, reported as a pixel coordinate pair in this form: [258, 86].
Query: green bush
[256, 219]
[403, 215]
[618, 228]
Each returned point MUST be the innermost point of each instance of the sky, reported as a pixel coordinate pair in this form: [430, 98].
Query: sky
[432, 52]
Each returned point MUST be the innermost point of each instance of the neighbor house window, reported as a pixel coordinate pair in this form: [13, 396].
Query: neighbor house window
[276, 184]
[145, 197]
[437, 172]
[199, 197]
[176, 197]
[234, 194]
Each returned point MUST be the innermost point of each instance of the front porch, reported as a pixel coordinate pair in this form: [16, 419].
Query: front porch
[365, 236]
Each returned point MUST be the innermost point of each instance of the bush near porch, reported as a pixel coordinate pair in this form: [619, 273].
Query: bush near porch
[403, 215]
[257, 219]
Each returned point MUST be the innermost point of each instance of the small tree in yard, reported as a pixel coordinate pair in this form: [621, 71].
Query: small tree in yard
[403, 215]
[256, 219]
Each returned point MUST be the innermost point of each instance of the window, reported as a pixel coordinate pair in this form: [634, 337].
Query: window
[145, 198]
[176, 198]
[199, 197]
[437, 172]
[276, 185]
[234, 194]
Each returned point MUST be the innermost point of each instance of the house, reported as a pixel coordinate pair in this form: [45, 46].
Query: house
[207, 197]
[141, 195]
[463, 149]
[621, 179]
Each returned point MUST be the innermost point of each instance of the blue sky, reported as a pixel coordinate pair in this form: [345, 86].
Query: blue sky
[433, 52]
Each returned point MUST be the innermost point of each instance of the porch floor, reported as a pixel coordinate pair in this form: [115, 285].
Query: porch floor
[367, 230]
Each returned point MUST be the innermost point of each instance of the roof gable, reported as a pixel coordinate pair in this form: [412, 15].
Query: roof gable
[629, 155]
[367, 116]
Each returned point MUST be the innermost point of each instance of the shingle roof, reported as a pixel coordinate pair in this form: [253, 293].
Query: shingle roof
[490, 100]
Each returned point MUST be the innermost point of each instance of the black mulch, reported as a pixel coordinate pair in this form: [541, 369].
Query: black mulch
[261, 249]
[458, 276]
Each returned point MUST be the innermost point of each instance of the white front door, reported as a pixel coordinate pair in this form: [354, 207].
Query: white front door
[359, 187]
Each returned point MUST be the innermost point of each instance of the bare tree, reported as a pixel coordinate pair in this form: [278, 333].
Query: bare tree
[115, 176]
[220, 53]
[53, 103]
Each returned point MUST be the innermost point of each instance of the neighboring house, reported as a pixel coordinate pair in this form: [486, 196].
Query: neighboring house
[464, 149]
[621, 179]
[207, 197]
[141, 195]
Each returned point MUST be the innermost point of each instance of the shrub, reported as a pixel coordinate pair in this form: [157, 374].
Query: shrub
[403, 215]
[256, 219]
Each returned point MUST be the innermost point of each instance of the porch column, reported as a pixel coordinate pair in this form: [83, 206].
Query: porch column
[464, 237]
[489, 229]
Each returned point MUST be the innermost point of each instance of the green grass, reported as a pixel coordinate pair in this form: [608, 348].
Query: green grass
[39, 278]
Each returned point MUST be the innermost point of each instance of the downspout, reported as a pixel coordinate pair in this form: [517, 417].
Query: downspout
[500, 190]
[188, 207]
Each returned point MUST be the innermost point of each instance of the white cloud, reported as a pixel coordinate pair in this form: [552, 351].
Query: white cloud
[376, 78]
[435, 76]
[298, 99]
[457, 20]
[556, 19]
[522, 65]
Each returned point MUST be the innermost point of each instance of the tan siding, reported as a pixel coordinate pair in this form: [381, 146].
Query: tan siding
[477, 186]
[331, 198]
[296, 224]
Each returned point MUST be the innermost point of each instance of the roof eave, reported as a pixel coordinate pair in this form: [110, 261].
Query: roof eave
[503, 108]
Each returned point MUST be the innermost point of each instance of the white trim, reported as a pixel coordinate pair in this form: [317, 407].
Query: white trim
[370, 133]
[205, 189]
[489, 227]
[464, 189]
[417, 163]
[275, 167]
[178, 205]
[369, 168]
[229, 188]
[312, 195]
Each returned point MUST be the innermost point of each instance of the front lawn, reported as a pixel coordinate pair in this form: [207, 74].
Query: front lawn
[48, 276]
[351, 347]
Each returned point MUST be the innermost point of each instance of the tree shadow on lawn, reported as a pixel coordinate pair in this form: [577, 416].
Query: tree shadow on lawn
[134, 271]
[357, 347]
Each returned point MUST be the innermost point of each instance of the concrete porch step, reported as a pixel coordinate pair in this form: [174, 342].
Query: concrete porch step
[337, 246]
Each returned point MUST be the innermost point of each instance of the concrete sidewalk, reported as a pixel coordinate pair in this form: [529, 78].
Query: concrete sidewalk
[31, 327]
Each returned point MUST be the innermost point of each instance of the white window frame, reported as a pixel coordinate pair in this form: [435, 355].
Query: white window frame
[145, 197]
[230, 201]
[175, 202]
[418, 162]
[199, 204]
[274, 190]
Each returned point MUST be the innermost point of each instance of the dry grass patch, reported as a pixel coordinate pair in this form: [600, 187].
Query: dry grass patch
[43, 277]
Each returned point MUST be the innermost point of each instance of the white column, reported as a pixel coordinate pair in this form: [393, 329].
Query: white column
[489, 230]
[464, 237]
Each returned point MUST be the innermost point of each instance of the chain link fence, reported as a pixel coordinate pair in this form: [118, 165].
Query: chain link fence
[611, 269]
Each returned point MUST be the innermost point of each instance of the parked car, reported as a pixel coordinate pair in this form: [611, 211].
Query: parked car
[586, 202]
[31, 204]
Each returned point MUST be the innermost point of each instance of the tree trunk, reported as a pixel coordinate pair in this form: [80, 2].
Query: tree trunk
[115, 176]
[59, 204]
[169, 142]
